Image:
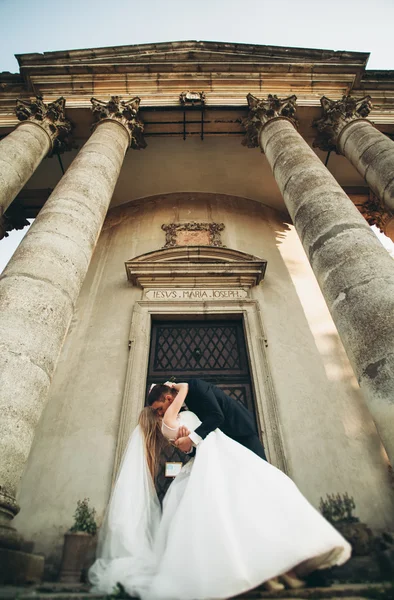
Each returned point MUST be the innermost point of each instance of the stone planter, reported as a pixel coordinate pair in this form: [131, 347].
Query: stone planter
[78, 549]
[358, 535]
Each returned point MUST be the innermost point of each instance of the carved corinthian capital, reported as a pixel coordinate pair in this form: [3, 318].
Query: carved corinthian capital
[13, 218]
[262, 111]
[336, 115]
[375, 212]
[125, 112]
[51, 117]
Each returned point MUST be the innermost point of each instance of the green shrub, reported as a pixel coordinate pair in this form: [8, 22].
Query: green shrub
[84, 518]
[338, 508]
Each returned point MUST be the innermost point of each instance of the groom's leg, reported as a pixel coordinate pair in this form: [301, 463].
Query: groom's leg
[253, 443]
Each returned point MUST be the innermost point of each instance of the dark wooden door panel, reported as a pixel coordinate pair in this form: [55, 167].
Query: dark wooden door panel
[211, 350]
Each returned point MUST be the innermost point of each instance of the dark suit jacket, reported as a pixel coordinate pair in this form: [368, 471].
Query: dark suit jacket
[215, 409]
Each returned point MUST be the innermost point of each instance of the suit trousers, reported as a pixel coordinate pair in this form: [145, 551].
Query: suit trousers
[252, 442]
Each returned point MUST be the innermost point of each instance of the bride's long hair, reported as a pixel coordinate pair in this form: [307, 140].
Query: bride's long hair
[155, 441]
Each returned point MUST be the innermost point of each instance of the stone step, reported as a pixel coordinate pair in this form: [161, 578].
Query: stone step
[56, 591]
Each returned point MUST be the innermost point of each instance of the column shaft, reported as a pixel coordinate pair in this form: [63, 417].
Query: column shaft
[372, 154]
[354, 271]
[20, 154]
[38, 292]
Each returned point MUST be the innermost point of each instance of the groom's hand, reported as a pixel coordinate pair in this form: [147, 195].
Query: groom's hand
[184, 444]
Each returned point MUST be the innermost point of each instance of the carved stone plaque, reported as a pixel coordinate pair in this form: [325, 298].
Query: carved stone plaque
[196, 294]
[193, 238]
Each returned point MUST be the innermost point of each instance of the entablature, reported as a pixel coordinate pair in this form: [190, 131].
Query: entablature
[224, 72]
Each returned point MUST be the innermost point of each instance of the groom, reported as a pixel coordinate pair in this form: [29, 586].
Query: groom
[214, 409]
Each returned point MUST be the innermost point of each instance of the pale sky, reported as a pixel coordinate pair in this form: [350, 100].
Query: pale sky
[45, 25]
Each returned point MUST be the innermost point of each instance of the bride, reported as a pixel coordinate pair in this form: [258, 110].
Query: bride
[230, 521]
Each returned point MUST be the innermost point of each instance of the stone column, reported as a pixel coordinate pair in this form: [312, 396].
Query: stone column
[354, 271]
[43, 130]
[345, 128]
[41, 284]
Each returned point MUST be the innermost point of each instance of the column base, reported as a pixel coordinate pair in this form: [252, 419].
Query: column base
[18, 567]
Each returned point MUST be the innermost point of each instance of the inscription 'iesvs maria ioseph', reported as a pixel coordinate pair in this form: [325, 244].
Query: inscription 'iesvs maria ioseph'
[193, 294]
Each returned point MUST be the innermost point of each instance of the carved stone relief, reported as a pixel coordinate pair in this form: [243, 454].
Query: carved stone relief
[193, 234]
[126, 113]
[375, 212]
[50, 117]
[13, 218]
[337, 114]
[262, 111]
[192, 98]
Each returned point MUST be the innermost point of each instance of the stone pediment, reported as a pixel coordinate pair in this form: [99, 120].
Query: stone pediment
[195, 266]
[168, 55]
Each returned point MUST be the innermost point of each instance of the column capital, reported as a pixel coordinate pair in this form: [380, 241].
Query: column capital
[375, 212]
[50, 117]
[264, 110]
[336, 115]
[13, 218]
[125, 113]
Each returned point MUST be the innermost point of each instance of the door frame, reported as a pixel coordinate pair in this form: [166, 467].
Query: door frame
[133, 402]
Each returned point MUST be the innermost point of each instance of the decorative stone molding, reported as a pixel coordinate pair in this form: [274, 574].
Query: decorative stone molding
[13, 218]
[192, 98]
[375, 212]
[195, 266]
[213, 237]
[51, 117]
[266, 401]
[262, 111]
[336, 115]
[125, 113]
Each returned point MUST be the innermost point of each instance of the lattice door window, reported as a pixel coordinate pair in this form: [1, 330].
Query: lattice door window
[242, 393]
[200, 347]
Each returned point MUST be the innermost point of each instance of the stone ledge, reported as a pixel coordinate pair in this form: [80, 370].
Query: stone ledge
[58, 591]
[20, 567]
[356, 591]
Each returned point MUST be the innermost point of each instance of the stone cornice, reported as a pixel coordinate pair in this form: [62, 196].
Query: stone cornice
[51, 117]
[186, 51]
[195, 266]
[124, 112]
[336, 115]
[264, 110]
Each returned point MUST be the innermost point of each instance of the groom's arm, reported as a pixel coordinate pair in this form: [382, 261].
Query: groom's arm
[210, 407]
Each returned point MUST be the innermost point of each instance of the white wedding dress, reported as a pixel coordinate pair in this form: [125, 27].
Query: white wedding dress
[230, 521]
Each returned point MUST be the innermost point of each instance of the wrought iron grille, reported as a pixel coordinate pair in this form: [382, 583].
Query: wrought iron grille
[198, 347]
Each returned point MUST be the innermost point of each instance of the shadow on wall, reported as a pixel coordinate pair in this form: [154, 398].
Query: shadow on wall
[355, 417]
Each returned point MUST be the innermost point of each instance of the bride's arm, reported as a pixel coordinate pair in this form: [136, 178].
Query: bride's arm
[172, 411]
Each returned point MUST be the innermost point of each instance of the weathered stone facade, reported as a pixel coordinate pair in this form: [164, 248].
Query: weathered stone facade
[195, 226]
